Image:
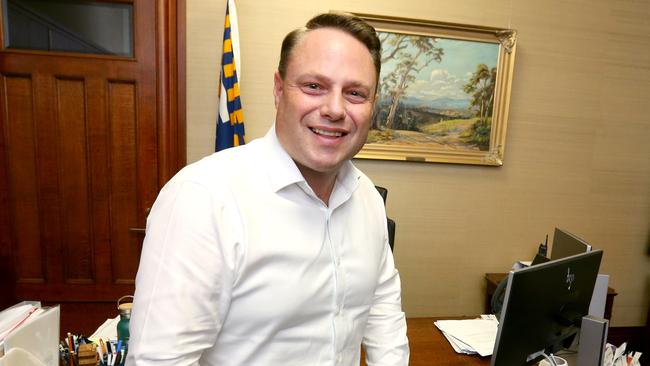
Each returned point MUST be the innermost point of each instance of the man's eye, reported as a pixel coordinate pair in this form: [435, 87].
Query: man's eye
[312, 86]
[357, 95]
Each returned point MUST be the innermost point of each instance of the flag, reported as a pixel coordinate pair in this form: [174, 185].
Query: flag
[230, 121]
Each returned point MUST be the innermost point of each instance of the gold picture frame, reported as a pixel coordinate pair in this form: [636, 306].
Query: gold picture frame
[443, 93]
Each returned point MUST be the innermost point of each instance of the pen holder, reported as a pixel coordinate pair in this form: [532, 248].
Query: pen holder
[87, 355]
[125, 316]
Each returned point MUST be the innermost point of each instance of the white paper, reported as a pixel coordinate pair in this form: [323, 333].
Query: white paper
[458, 345]
[617, 357]
[479, 334]
[106, 331]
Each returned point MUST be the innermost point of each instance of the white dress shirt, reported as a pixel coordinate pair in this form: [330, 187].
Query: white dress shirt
[243, 264]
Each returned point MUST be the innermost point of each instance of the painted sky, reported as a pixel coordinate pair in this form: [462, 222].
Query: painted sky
[446, 79]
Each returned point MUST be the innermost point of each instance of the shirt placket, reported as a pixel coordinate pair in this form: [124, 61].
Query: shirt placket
[338, 317]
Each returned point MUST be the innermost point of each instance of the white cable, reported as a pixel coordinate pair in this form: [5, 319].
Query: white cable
[550, 360]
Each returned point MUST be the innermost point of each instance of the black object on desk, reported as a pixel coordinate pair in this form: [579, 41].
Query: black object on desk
[493, 279]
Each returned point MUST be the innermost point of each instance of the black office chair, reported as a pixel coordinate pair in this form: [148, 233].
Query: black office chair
[391, 224]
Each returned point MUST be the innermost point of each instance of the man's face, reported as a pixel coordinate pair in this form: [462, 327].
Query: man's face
[325, 101]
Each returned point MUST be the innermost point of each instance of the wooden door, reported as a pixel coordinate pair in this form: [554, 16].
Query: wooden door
[86, 142]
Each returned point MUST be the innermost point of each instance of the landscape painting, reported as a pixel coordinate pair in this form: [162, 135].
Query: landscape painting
[442, 94]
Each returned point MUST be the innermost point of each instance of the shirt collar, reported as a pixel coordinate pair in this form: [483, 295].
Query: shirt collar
[347, 181]
[282, 170]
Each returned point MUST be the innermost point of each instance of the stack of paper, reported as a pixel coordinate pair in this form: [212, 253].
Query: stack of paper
[471, 336]
[32, 330]
[619, 357]
[11, 318]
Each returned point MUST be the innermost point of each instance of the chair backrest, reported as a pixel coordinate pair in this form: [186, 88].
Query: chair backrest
[383, 192]
[391, 224]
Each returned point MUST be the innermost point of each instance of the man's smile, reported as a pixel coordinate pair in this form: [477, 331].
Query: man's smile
[326, 133]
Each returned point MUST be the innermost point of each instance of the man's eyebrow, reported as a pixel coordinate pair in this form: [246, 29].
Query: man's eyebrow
[314, 75]
[359, 84]
[327, 80]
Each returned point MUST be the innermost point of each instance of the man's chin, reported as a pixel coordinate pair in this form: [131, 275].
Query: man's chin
[321, 166]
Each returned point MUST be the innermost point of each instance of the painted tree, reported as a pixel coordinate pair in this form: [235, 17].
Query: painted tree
[391, 44]
[481, 88]
[416, 53]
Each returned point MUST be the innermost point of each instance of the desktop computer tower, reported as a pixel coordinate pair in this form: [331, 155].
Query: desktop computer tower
[593, 337]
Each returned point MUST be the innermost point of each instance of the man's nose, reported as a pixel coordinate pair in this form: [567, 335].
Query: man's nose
[333, 107]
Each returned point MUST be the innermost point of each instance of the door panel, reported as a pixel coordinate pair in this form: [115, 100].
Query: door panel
[124, 179]
[20, 140]
[73, 177]
[86, 142]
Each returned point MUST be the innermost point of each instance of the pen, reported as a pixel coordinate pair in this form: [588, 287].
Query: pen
[109, 350]
[104, 353]
[114, 357]
[117, 352]
[71, 348]
[100, 352]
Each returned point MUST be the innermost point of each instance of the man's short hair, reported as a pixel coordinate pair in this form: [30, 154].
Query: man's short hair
[348, 23]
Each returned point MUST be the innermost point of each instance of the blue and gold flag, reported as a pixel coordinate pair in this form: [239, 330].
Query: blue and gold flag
[230, 122]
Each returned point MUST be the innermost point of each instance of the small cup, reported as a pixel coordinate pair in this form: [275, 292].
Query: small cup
[558, 360]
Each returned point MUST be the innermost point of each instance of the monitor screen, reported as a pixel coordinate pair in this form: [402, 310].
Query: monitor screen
[566, 244]
[543, 306]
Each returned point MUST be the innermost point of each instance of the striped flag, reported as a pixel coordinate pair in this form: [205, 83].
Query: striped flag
[230, 122]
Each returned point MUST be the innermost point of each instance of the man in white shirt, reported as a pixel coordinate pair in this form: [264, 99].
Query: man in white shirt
[276, 252]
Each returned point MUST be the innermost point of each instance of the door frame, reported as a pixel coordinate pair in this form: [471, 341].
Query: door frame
[172, 87]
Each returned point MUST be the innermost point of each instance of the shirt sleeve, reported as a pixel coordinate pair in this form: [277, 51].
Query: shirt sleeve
[385, 338]
[184, 282]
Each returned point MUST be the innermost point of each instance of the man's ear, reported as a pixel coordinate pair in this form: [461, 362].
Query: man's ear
[277, 88]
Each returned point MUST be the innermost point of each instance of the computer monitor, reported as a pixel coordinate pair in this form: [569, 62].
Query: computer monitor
[543, 308]
[566, 244]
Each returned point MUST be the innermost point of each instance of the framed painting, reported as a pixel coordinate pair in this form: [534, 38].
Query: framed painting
[443, 92]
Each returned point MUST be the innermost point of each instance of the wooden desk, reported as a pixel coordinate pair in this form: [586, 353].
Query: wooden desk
[429, 347]
[493, 280]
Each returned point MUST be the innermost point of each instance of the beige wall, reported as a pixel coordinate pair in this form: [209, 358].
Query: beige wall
[577, 154]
